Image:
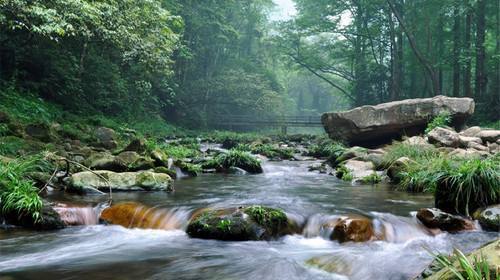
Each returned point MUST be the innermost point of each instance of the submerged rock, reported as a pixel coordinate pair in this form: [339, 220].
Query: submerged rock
[126, 181]
[353, 228]
[331, 263]
[371, 125]
[435, 218]
[239, 224]
[136, 215]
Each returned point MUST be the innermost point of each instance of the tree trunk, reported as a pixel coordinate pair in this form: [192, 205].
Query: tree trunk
[481, 78]
[456, 50]
[468, 54]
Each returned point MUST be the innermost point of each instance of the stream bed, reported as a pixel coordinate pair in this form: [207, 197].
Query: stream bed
[115, 252]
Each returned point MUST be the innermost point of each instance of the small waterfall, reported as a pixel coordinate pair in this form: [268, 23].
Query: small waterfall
[79, 215]
[397, 229]
[135, 215]
[320, 225]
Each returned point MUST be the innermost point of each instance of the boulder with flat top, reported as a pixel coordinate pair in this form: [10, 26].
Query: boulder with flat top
[380, 124]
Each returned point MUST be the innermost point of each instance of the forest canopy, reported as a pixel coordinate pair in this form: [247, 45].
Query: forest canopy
[193, 62]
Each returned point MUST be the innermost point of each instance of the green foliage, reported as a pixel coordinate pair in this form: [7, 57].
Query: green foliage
[373, 179]
[267, 217]
[327, 148]
[469, 269]
[271, 151]
[181, 151]
[4, 129]
[224, 225]
[441, 120]
[414, 152]
[17, 192]
[235, 158]
[344, 173]
[25, 107]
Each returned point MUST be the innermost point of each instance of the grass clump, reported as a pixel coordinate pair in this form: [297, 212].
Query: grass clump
[178, 151]
[235, 158]
[373, 179]
[344, 173]
[476, 268]
[441, 120]
[17, 192]
[327, 148]
[272, 151]
[415, 152]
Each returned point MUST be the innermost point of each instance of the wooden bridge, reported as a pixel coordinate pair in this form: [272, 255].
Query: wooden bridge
[278, 121]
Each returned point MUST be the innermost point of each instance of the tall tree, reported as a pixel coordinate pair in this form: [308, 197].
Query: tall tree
[481, 78]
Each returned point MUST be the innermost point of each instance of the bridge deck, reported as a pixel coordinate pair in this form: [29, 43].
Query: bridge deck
[296, 121]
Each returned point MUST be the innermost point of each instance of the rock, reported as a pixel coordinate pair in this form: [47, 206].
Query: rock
[137, 145]
[493, 148]
[471, 131]
[489, 135]
[444, 137]
[435, 218]
[40, 131]
[135, 215]
[489, 252]
[49, 219]
[478, 147]
[397, 167]
[239, 224]
[169, 172]
[160, 157]
[126, 181]
[350, 153]
[466, 141]
[373, 125]
[416, 140]
[357, 169]
[332, 264]
[105, 161]
[354, 228]
[489, 217]
[106, 137]
[133, 161]
[466, 153]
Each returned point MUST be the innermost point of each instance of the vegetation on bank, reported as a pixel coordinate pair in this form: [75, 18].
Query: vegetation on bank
[18, 192]
[235, 158]
[475, 268]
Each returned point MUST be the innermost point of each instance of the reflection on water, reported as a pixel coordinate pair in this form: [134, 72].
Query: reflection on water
[115, 252]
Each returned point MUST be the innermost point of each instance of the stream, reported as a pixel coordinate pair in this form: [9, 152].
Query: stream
[114, 252]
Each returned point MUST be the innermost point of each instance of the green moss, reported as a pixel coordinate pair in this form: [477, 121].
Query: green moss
[373, 179]
[267, 217]
[344, 173]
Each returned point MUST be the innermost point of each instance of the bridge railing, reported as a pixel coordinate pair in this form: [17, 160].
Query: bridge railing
[268, 121]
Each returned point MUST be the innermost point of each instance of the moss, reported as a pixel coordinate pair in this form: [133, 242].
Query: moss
[271, 219]
[373, 179]
[344, 173]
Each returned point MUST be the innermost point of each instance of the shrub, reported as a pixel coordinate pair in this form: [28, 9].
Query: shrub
[441, 120]
[181, 151]
[327, 149]
[344, 173]
[17, 192]
[235, 158]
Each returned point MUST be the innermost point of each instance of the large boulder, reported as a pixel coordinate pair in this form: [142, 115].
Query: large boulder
[372, 125]
[239, 224]
[435, 218]
[106, 137]
[355, 170]
[127, 181]
[40, 131]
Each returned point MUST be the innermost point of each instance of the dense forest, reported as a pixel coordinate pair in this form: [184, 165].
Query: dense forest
[194, 61]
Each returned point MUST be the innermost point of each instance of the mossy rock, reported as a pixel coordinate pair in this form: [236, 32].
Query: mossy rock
[49, 219]
[240, 224]
[169, 172]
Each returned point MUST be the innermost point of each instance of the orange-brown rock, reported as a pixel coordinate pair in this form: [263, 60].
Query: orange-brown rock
[353, 228]
[135, 215]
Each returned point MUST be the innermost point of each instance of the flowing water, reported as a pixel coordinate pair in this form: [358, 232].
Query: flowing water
[166, 252]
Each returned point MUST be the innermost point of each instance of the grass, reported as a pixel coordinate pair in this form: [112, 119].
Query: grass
[441, 120]
[235, 158]
[327, 148]
[271, 151]
[373, 179]
[469, 269]
[414, 152]
[17, 192]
